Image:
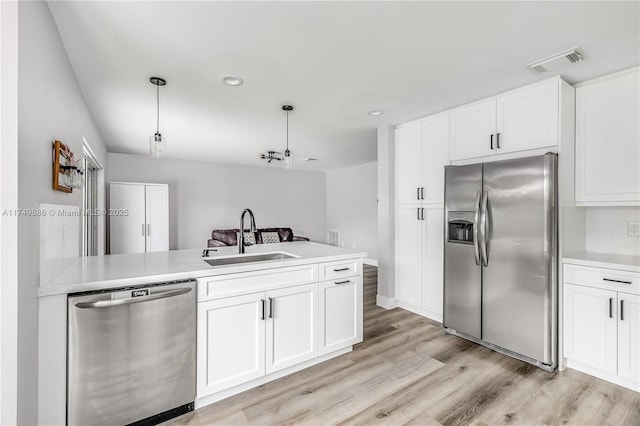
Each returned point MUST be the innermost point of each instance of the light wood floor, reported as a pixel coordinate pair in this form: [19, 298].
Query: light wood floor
[408, 371]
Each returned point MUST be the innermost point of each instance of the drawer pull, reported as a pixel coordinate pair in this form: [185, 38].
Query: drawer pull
[340, 269]
[342, 282]
[616, 281]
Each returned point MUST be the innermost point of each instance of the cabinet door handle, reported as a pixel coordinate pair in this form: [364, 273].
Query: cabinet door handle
[611, 307]
[340, 269]
[270, 307]
[616, 281]
[418, 212]
[622, 310]
[491, 141]
[422, 213]
[148, 229]
[342, 282]
[417, 193]
[422, 193]
[143, 229]
[498, 140]
[262, 309]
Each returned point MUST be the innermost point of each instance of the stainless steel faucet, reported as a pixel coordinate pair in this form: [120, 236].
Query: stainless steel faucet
[241, 242]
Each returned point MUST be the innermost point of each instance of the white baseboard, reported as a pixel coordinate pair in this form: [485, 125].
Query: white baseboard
[420, 311]
[372, 262]
[386, 302]
[604, 375]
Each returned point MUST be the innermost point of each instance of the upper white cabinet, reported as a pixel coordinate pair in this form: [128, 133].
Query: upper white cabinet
[519, 120]
[139, 217]
[422, 151]
[473, 130]
[608, 140]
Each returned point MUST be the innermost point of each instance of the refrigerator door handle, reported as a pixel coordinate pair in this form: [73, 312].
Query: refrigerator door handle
[476, 223]
[483, 229]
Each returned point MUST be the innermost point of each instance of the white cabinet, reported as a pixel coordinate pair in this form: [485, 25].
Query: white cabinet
[230, 342]
[254, 325]
[591, 326]
[629, 336]
[608, 140]
[422, 151]
[602, 323]
[419, 252]
[139, 217]
[340, 313]
[292, 326]
[519, 120]
[473, 130]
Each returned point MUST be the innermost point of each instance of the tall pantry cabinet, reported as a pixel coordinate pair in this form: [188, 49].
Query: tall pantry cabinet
[422, 151]
[139, 217]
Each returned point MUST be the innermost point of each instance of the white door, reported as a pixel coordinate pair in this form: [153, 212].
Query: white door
[607, 141]
[157, 217]
[340, 316]
[590, 326]
[528, 118]
[230, 342]
[409, 163]
[292, 330]
[409, 234]
[432, 258]
[629, 336]
[473, 130]
[435, 155]
[127, 231]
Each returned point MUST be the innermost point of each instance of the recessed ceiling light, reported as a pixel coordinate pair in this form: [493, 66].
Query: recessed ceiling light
[232, 81]
[375, 113]
[309, 159]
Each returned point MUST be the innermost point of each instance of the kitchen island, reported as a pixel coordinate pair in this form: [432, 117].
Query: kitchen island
[280, 315]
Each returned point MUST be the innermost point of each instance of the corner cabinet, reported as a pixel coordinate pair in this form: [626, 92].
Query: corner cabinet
[139, 217]
[602, 323]
[254, 327]
[520, 120]
[608, 140]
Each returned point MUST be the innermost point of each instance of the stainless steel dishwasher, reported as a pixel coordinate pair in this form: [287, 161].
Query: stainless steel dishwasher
[131, 354]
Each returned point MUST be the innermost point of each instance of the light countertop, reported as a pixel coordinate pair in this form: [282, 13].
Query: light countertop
[605, 260]
[73, 275]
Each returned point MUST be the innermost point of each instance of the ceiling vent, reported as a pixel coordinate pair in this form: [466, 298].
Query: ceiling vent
[557, 61]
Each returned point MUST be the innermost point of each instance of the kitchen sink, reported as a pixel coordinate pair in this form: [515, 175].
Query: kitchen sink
[248, 258]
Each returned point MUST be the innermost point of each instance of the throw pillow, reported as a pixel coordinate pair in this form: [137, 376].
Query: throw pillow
[270, 237]
[249, 238]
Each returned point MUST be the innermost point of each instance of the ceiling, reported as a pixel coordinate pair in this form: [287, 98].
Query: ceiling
[334, 61]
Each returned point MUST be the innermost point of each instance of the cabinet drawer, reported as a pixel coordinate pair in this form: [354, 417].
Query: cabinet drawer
[221, 286]
[338, 269]
[611, 279]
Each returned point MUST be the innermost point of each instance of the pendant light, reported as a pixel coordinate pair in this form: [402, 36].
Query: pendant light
[287, 160]
[157, 142]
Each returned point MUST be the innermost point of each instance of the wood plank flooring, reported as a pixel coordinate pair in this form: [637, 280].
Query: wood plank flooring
[407, 371]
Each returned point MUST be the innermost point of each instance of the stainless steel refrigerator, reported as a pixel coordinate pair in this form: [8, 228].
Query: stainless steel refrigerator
[500, 256]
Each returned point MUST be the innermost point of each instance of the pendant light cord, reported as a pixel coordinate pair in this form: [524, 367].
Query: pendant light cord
[158, 109]
[287, 130]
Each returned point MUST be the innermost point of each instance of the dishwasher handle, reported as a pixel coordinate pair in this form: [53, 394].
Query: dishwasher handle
[130, 300]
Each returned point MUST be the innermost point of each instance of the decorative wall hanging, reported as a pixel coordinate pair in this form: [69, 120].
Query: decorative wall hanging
[67, 173]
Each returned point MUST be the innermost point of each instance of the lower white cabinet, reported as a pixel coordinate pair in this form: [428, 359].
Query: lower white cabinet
[230, 342]
[419, 256]
[292, 326]
[602, 324]
[246, 338]
[340, 313]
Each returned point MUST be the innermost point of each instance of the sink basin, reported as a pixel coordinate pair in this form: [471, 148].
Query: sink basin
[248, 258]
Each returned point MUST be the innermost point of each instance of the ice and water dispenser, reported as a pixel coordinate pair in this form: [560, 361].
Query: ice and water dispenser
[460, 227]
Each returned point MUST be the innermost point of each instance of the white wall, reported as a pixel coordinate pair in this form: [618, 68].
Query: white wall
[606, 230]
[205, 196]
[50, 106]
[386, 216]
[8, 201]
[352, 207]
